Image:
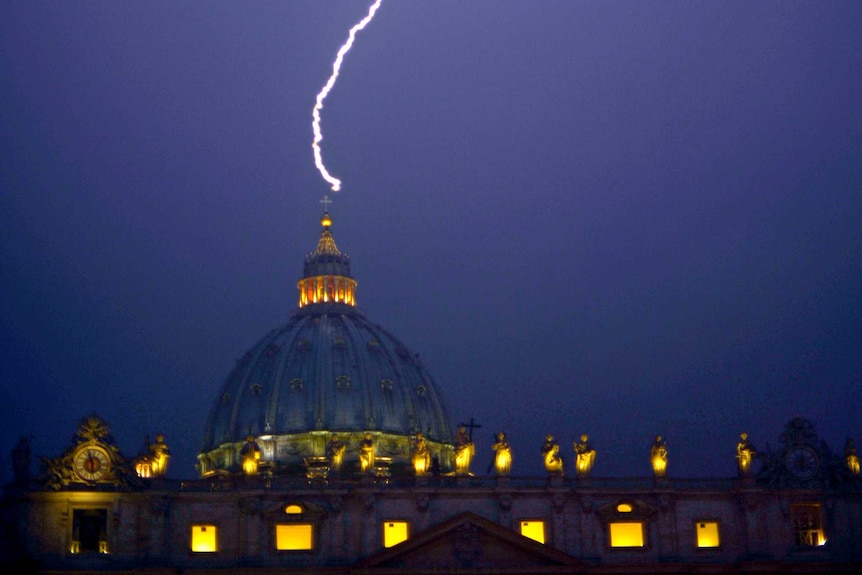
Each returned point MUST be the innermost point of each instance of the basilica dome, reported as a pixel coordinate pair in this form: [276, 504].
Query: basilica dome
[329, 373]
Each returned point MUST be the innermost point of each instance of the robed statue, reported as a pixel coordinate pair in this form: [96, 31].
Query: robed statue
[745, 452]
[335, 453]
[421, 457]
[502, 455]
[551, 455]
[585, 456]
[464, 451]
[366, 454]
[658, 456]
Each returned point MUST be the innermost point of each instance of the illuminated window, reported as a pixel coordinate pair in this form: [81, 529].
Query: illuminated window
[807, 525]
[204, 539]
[629, 534]
[293, 509]
[394, 532]
[535, 530]
[707, 533]
[89, 531]
[624, 508]
[294, 537]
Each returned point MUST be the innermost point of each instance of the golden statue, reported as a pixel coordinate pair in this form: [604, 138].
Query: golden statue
[159, 457]
[250, 454]
[658, 456]
[335, 453]
[366, 454]
[744, 454]
[421, 456]
[502, 455]
[851, 458]
[585, 456]
[464, 451]
[551, 455]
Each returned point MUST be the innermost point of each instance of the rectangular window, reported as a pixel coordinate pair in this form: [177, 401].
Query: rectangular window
[394, 532]
[89, 531]
[807, 525]
[629, 534]
[294, 537]
[204, 539]
[535, 530]
[707, 534]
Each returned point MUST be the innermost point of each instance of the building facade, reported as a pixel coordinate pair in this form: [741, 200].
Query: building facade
[329, 449]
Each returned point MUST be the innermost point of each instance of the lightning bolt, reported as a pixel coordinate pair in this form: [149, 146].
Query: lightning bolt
[315, 113]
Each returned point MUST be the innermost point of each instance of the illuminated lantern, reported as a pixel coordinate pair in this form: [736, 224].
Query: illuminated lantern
[143, 464]
[143, 467]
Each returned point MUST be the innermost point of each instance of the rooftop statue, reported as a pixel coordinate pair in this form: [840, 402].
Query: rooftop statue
[551, 455]
[745, 452]
[159, 456]
[851, 458]
[335, 453]
[658, 456]
[585, 456]
[464, 451]
[366, 454]
[250, 454]
[502, 455]
[421, 456]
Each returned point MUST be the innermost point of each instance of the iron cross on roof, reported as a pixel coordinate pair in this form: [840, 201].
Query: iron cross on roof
[471, 426]
[326, 201]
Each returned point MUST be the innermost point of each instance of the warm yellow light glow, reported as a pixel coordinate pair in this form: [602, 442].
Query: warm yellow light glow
[585, 456]
[535, 530]
[293, 509]
[624, 508]
[203, 539]
[160, 464]
[75, 547]
[317, 289]
[659, 466]
[464, 451]
[658, 456]
[143, 468]
[420, 465]
[294, 537]
[807, 524]
[627, 534]
[707, 534]
[250, 465]
[394, 532]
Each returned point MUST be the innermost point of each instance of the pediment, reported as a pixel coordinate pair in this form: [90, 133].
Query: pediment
[468, 542]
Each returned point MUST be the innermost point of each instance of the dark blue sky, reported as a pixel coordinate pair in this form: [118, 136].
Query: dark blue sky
[619, 218]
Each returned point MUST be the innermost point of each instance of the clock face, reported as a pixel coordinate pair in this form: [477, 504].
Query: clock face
[802, 462]
[91, 463]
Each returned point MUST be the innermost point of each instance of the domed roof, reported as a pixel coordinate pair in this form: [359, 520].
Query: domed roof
[328, 370]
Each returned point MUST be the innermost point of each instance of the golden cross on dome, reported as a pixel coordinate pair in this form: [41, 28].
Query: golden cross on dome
[326, 201]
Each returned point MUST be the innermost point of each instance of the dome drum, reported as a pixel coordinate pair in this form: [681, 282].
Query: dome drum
[286, 454]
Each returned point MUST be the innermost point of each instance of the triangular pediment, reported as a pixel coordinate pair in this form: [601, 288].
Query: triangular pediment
[468, 542]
